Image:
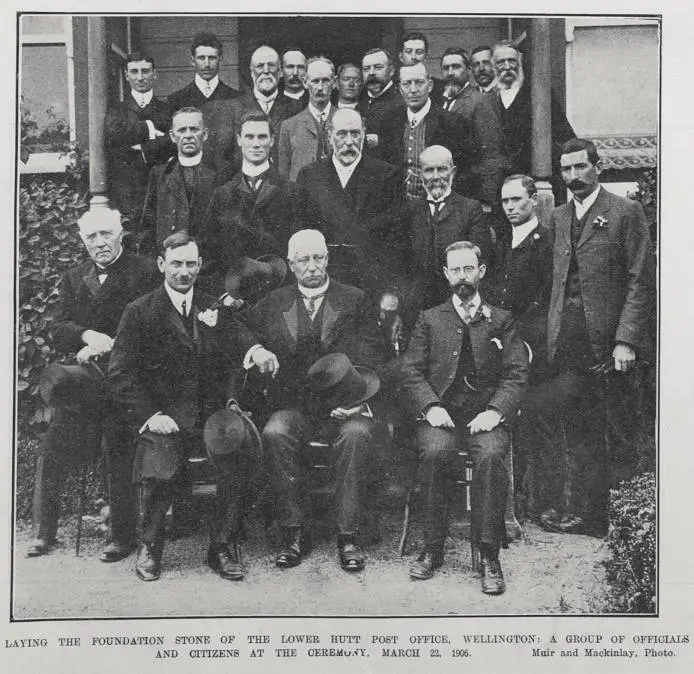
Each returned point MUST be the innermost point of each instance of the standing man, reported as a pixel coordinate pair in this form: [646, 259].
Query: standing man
[433, 223]
[93, 296]
[482, 116]
[293, 76]
[599, 330]
[408, 131]
[301, 324]
[303, 138]
[254, 214]
[483, 69]
[170, 370]
[349, 85]
[414, 48]
[136, 139]
[351, 198]
[206, 57]
[179, 192]
[463, 374]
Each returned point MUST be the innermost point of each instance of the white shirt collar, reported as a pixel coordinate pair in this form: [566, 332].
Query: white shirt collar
[344, 173]
[388, 86]
[520, 232]
[352, 106]
[206, 87]
[583, 207]
[105, 269]
[177, 298]
[490, 87]
[253, 170]
[418, 116]
[473, 305]
[443, 197]
[312, 292]
[296, 95]
[190, 161]
[509, 95]
[143, 100]
[317, 113]
[262, 98]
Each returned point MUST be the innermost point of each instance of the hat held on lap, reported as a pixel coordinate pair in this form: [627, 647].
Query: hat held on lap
[230, 432]
[335, 382]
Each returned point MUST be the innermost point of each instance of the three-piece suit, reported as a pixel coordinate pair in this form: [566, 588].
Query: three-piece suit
[302, 140]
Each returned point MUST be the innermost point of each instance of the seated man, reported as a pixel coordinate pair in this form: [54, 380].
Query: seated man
[300, 324]
[93, 296]
[171, 366]
[462, 377]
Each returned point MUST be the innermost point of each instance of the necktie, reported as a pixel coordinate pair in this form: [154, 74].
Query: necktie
[311, 303]
[208, 89]
[322, 152]
[448, 104]
[184, 309]
[467, 316]
[413, 123]
[438, 206]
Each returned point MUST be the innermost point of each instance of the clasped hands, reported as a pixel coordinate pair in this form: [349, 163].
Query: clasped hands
[438, 417]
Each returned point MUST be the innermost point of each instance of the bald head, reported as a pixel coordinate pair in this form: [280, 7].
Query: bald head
[265, 67]
[306, 238]
[346, 135]
[437, 170]
[436, 154]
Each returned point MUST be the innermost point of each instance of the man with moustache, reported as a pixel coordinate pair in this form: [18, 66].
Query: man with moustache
[483, 69]
[349, 86]
[254, 214]
[171, 368]
[300, 324]
[599, 329]
[462, 378]
[93, 296]
[136, 138]
[303, 138]
[293, 75]
[483, 117]
[350, 197]
[205, 56]
[179, 192]
[414, 48]
[408, 131]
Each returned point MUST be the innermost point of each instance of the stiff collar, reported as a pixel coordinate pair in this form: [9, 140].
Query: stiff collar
[190, 161]
[177, 298]
[443, 197]
[296, 95]
[520, 232]
[312, 292]
[254, 170]
[472, 305]
[262, 98]
[388, 86]
[582, 207]
[143, 100]
[103, 269]
[418, 116]
[316, 114]
[351, 106]
[344, 173]
[206, 87]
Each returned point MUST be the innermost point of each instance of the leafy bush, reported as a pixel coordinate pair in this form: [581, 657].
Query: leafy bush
[647, 195]
[49, 245]
[632, 541]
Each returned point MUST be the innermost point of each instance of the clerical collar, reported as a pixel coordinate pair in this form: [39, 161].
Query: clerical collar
[418, 116]
[388, 86]
[143, 100]
[351, 106]
[582, 207]
[206, 87]
[110, 264]
[177, 298]
[472, 305]
[344, 173]
[254, 170]
[312, 292]
[262, 98]
[520, 232]
[190, 161]
[296, 95]
[443, 197]
[316, 113]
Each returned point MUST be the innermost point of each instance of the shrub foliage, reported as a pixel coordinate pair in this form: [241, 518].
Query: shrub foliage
[632, 541]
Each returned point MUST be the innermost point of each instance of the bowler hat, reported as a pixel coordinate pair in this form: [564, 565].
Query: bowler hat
[61, 384]
[335, 382]
[230, 432]
[250, 279]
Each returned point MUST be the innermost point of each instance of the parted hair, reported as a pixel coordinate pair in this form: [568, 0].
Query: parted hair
[206, 40]
[457, 51]
[415, 35]
[527, 182]
[579, 144]
[137, 56]
[176, 240]
[464, 245]
[255, 116]
[376, 50]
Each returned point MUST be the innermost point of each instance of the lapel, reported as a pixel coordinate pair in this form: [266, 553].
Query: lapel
[177, 187]
[309, 123]
[359, 185]
[173, 321]
[562, 229]
[601, 206]
[432, 124]
[527, 242]
[291, 321]
[478, 328]
[330, 315]
[267, 192]
[91, 280]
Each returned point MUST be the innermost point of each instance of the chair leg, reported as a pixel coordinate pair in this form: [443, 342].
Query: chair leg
[405, 525]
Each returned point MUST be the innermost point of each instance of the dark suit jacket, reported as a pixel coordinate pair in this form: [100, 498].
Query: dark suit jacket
[429, 365]
[349, 327]
[157, 366]
[360, 218]
[192, 96]
[489, 164]
[616, 267]
[442, 128]
[303, 101]
[85, 304]
[167, 210]
[240, 223]
[125, 126]
[376, 110]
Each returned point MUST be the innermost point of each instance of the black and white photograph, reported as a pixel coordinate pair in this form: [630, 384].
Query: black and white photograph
[338, 316]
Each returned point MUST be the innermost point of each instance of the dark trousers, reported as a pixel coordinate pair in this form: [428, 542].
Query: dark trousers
[440, 465]
[284, 438]
[74, 436]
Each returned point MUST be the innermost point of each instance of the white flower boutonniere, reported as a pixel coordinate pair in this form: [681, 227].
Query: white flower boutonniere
[209, 317]
[484, 310]
[600, 222]
[497, 343]
[536, 236]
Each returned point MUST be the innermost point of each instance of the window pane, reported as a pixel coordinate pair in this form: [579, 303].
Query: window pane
[44, 104]
[43, 25]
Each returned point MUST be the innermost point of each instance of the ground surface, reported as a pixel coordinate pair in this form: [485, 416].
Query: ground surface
[546, 573]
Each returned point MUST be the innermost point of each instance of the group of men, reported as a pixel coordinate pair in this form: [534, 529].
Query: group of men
[381, 197]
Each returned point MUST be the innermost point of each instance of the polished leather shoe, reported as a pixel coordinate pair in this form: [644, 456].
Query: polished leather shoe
[114, 552]
[426, 564]
[491, 575]
[297, 546]
[38, 547]
[226, 561]
[351, 556]
[147, 565]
